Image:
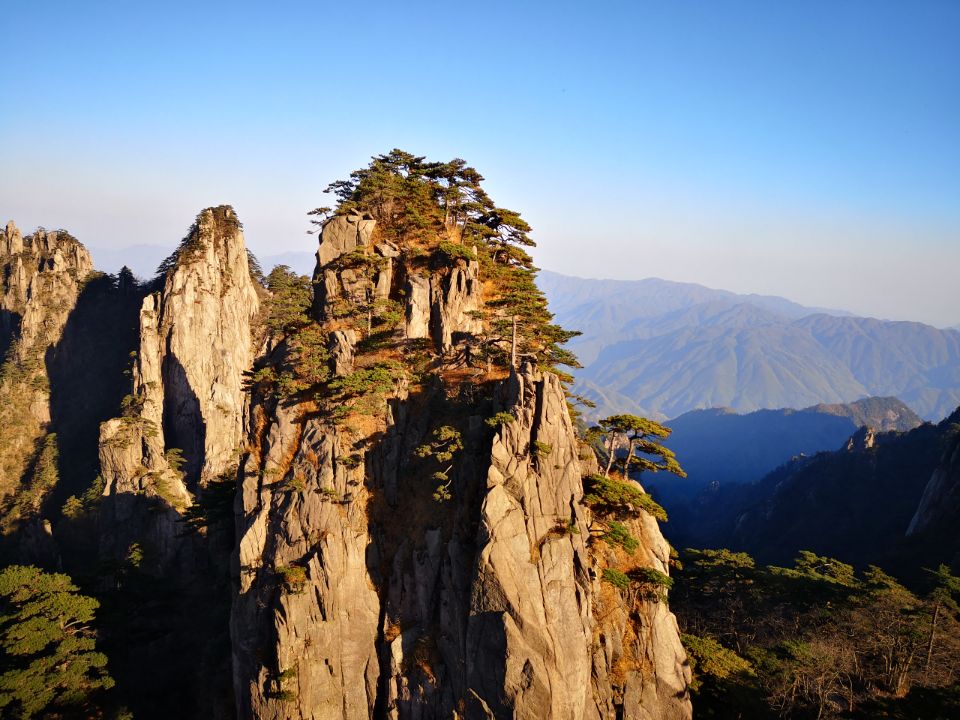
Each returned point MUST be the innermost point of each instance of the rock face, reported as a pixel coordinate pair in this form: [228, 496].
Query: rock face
[188, 398]
[529, 625]
[456, 303]
[939, 507]
[42, 276]
[41, 281]
[363, 591]
[640, 669]
[306, 618]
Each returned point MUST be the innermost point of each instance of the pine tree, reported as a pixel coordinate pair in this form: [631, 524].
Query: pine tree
[49, 658]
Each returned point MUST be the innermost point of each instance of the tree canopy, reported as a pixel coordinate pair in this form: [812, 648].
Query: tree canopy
[817, 639]
[49, 659]
[639, 436]
[443, 206]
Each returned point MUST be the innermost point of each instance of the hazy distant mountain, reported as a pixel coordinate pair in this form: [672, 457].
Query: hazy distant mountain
[721, 446]
[615, 310]
[855, 503]
[661, 348]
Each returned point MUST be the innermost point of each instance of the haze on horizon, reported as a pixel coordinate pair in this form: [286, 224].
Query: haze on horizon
[811, 151]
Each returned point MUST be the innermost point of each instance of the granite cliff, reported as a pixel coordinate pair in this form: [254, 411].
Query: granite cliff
[369, 586]
[353, 496]
[42, 277]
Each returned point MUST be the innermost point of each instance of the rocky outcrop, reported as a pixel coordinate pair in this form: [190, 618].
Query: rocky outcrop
[342, 236]
[530, 625]
[863, 439]
[185, 416]
[417, 309]
[41, 277]
[640, 668]
[364, 590]
[306, 617]
[42, 274]
[456, 304]
[939, 509]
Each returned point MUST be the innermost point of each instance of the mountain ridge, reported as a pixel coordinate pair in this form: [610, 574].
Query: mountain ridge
[659, 349]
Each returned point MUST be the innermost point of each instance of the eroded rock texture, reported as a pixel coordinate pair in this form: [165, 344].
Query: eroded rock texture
[183, 423]
[933, 524]
[364, 592]
[41, 277]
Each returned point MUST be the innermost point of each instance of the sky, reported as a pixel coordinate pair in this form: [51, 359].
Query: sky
[810, 150]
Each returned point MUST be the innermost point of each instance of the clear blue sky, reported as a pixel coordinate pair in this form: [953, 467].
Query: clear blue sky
[808, 149]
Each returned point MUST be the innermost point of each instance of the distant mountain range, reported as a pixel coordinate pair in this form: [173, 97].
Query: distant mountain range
[660, 349]
[721, 446]
[891, 499]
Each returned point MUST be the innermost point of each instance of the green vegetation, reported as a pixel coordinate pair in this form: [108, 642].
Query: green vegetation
[49, 663]
[441, 450]
[815, 640]
[540, 449]
[653, 584]
[616, 578]
[639, 436]
[501, 418]
[455, 251]
[611, 497]
[293, 578]
[618, 534]
[190, 246]
[365, 389]
[441, 207]
[214, 504]
[288, 306]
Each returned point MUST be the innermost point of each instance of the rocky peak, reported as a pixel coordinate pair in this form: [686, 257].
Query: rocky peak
[863, 439]
[41, 278]
[412, 538]
[939, 507]
[186, 412]
[40, 281]
[11, 240]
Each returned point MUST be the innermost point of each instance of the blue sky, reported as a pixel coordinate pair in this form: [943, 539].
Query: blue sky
[805, 149]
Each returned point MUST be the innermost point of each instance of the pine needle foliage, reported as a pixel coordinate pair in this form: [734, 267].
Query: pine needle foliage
[49, 658]
[442, 206]
[620, 499]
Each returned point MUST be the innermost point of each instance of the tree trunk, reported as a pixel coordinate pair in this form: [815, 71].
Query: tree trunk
[933, 632]
[626, 460]
[611, 453]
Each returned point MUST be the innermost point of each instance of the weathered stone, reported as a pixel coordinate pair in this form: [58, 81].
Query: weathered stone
[417, 322]
[11, 241]
[940, 503]
[359, 592]
[39, 287]
[341, 351]
[529, 631]
[304, 515]
[863, 439]
[342, 234]
[456, 304]
[195, 346]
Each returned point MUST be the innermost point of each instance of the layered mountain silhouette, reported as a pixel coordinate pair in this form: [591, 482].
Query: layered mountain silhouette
[884, 498]
[659, 348]
[722, 447]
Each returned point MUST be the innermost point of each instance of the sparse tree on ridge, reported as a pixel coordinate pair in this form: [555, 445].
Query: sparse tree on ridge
[639, 436]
